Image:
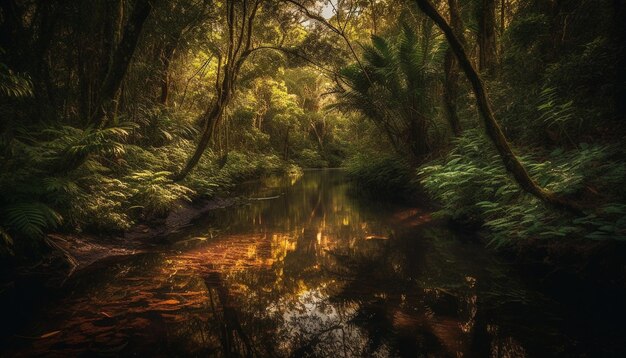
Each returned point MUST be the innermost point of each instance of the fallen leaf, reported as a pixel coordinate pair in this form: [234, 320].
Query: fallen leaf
[50, 334]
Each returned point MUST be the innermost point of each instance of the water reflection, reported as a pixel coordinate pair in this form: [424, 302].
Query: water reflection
[314, 272]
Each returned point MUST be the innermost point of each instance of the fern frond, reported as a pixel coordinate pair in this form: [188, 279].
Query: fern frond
[30, 219]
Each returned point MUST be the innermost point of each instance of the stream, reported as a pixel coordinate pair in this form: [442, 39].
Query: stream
[316, 271]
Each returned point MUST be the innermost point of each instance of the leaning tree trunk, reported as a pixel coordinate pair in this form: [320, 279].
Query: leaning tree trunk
[212, 118]
[511, 163]
[451, 71]
[239, 48]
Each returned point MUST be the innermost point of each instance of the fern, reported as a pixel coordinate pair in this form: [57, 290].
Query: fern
[393, 88]
[472, 186]
[155, 192]
[560, 116]
[14, 85]
[30, 219]
[159, 127]
[73, 146]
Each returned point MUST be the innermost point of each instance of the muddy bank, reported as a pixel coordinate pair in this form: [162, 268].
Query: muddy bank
[72, 252]
[81, 251]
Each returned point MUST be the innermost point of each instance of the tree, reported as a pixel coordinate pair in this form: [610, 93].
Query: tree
[511, 162]
[342, 20]
[451, 70]
[120, 61]
[392, 87]
[486, 14]
[240, 23]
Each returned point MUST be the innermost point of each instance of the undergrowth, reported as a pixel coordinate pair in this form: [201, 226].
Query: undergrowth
[74, 179]
[380, 175]
[473, 186]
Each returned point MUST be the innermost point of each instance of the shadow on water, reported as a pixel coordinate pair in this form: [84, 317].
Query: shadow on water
[313, 272]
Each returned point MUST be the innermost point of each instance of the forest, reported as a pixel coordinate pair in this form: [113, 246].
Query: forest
[307, 178]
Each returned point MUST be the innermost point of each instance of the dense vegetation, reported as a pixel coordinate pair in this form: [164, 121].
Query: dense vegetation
[510, 114]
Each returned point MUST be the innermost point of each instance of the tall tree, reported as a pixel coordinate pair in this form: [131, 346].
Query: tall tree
[120, 61]
[451, 70]
[394, 91]
[240, 22]
[511, 162]
[487, 56]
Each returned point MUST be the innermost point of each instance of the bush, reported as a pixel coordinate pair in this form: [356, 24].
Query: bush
[155, 191]
[58, 180]
[473, 186]
[381, 174]
[77, 179]
[308, 158]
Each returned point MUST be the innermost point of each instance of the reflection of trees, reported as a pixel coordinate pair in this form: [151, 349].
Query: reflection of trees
[235, 341]
[311, 273]
[290, 299]
[423, 292]
[328, 289]
[396, 310]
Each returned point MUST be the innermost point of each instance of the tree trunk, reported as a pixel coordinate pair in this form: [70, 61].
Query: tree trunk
[239, 45]
[43, 87]
[511, 163]
[166, 59]
[286, 146]
[451, 71]
[487, 36]
[120, 62]
[112, 32]
[450, 92]
[502, 27]
[83, 83]
[14, 36]
[211, 120]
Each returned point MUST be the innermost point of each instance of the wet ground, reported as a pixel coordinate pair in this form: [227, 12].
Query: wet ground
[309, 269]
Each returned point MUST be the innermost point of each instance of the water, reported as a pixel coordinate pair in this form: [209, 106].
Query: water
[314, 272]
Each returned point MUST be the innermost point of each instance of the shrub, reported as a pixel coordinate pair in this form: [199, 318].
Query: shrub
[472, 185]
[155, 192]
[383, 174]
[309, 158]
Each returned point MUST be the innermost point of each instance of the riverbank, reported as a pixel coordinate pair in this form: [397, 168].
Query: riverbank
[305, 267]
[62, 253]
[555, 248]
[555, 271]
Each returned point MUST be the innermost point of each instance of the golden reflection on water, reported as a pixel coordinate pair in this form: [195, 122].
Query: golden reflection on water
[310, 273]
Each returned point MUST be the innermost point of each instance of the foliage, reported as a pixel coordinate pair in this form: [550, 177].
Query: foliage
[157, 191]
[14, 85]
[593, 89]
[392, 86]
[556, 87]
[472, 185]
[568, 56]
[28, 219]
[158, 126]
[558, 116]
[240, 166]
[382, 175]
[309, 158]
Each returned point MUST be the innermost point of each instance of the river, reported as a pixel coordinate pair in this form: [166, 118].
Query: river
[316, 271]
